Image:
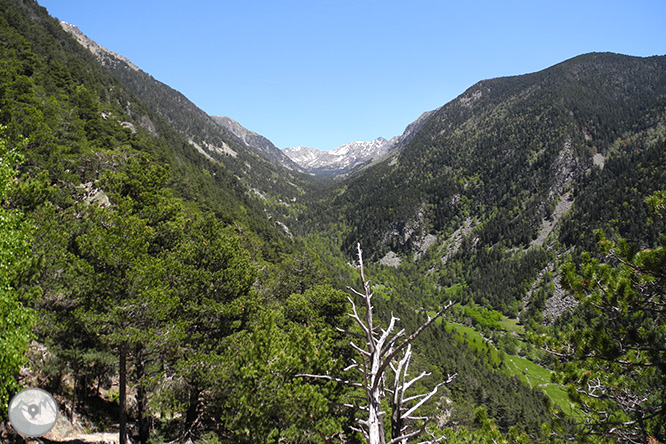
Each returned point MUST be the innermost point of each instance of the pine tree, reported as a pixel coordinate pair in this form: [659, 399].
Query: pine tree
[614, 359]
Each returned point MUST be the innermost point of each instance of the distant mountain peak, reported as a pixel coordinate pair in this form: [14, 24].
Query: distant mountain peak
[350, 156]
[341, 160]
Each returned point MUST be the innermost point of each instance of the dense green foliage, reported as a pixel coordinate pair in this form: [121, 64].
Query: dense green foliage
[170, 268]
[635, 166]
[16, 321]
[612, 354]
[134, 279]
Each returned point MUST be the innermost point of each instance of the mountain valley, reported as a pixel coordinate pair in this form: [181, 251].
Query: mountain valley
[177, 277]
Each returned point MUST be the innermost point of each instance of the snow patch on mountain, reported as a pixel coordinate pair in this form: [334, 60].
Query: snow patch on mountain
[340, 160]
[348, 157]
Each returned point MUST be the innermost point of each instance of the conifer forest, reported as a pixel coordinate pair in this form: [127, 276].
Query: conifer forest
[499, 278]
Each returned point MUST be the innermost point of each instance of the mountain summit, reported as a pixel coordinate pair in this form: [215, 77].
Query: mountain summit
[341, 160]
[351, 156]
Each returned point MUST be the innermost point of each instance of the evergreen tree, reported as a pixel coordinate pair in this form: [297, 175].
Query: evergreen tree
[613, 356]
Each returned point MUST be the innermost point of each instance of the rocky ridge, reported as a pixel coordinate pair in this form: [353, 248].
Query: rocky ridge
[257, 142]
[104, 55]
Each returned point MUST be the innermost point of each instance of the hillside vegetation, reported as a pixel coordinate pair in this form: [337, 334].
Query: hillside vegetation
[161, 275]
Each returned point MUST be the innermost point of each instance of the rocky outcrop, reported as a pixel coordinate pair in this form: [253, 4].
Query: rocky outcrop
[563, 206]
[390, 259]
[453, 243]
[103, 55]
[558, 303]
[94, 195]
[257, 143]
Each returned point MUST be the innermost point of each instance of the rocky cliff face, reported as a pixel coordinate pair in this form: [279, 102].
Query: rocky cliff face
[258, 143]
[104, 55]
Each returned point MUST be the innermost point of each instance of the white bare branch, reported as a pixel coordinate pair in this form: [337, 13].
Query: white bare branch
[418, 418]
[330, 378]
[359, 294]
[349, 367]
[355, 316]
[389, 344]
[410, 383]
[414, 398]
[350, 333]
[427, 397]
[359, 349]
[404, 437]
[385, 334]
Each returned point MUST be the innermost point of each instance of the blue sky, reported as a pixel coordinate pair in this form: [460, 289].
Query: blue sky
[322, 73]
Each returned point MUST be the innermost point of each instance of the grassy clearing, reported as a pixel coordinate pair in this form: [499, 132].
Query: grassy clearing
[476, 342]
[560, 398]
[534, 373]
[530, 373]
[512, 325]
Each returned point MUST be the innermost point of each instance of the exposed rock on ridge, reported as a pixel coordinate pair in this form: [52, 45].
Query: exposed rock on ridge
[104, 55]
[257, 142]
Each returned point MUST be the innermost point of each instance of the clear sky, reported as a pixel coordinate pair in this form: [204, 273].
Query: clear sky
[322, 73]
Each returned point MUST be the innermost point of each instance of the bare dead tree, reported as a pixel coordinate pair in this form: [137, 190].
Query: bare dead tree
[384, 350]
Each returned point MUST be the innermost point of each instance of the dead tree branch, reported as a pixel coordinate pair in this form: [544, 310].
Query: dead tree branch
[379, 354]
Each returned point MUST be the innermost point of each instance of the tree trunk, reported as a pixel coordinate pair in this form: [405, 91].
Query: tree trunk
[75, 371]
[122, 389]
[191, 415]
[396, 422]
[142, 401]
[375, 426]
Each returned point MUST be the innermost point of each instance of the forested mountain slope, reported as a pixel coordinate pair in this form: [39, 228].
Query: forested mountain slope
[138, 258]
[265, 170]
[489, 176]
[504, 153]
[151, 246]
[216, 170]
